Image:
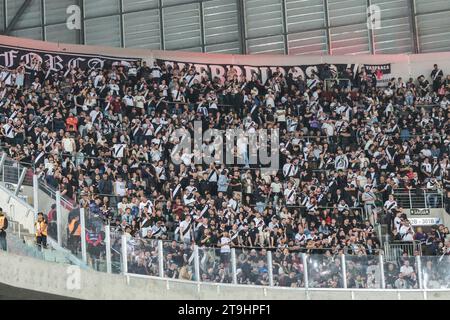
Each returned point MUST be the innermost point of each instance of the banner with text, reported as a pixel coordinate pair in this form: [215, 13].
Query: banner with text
[307, 72]
[382, 72]
[10, 58]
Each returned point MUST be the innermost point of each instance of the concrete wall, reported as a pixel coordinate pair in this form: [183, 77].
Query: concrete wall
[52, 278]
[17, 209]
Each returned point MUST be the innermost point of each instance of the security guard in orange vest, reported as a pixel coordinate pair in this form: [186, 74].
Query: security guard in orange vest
[3, 227]
[74, 239]
[41, 231]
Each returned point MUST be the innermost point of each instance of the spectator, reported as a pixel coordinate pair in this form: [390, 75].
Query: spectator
[41, 227]
[105, 137]
[3, 227]
[74, 237]
[95, 244]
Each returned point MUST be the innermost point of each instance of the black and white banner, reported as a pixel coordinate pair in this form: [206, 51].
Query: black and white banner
[307, 72]
[382, 72]
[10, 58]
[315, 71]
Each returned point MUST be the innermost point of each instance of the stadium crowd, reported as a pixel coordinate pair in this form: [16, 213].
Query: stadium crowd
[103, 138]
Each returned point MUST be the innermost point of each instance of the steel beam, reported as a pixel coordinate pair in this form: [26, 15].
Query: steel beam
[16, 17]
[202, 27]
[4, 15]
[108, 248]
[83, 237]
[161, 25]
[81, 35]
[44, 32]
[370, 32]
[413, 24]
[285, 28]
[241, 26]
[122, 30]
[20, 181]
[327, 26]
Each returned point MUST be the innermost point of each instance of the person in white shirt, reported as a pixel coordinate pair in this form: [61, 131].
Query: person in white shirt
[120, 187]
[368, 198]
[156, 71]
[119, 150]
[341, 162]
[276, 187]
[242, 144]
[225, 248]
[407, 271]
[145, 203]
[114, 88]
[96, 115]
[122, 206]
[432, 193]
[398, 221]
[289, 169]
[186, 230]
[129, 100]
[8, 130]
[390, 207]
[290, 194]
[139, 100]
[68, 144]
[405, 229]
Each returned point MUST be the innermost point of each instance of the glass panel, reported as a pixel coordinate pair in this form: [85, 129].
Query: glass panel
[436, 272]
[324, 271]
[116, 251]
[401, 274]
[71, 228]
[288, 269]
[251, 267]
[95, 241]
[178, 260]
[143, 258]
[47, 205]
[363, 271]
[215, 266]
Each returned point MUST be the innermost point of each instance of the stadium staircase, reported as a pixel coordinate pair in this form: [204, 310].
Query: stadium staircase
[22, 242]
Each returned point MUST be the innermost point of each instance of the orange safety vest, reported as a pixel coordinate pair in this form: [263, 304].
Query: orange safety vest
[43, 228]
[2, 222]
[72, 226]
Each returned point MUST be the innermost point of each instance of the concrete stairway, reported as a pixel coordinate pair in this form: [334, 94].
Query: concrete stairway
[24, 243]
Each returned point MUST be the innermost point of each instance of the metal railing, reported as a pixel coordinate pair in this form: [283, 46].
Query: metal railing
[395, 250]
[420, 198]
[172, 260]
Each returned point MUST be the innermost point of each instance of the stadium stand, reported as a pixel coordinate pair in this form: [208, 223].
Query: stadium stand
[102, 138]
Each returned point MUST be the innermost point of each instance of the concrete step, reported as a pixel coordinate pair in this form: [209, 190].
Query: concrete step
[14, 227]
[26, 245]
